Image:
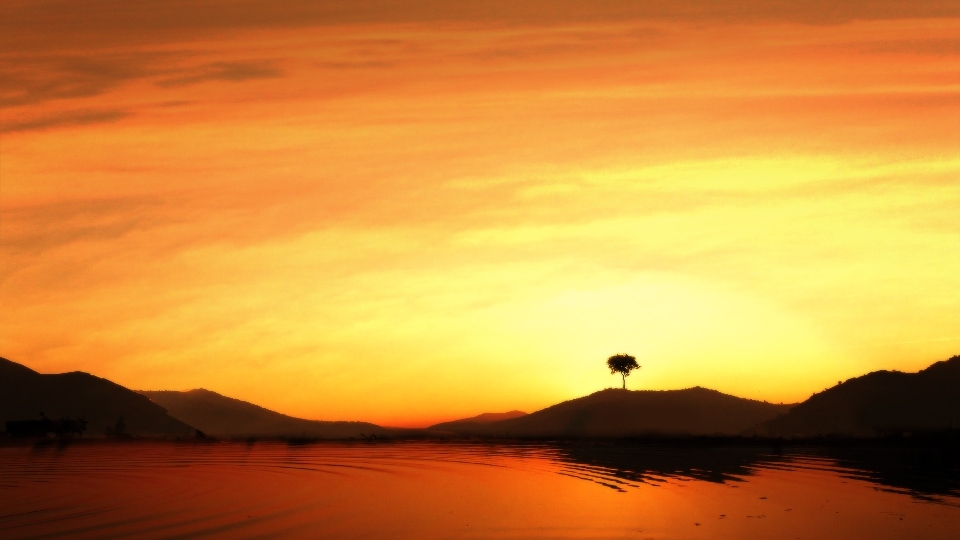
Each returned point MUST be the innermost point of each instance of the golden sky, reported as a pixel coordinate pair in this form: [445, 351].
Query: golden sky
[407, 212]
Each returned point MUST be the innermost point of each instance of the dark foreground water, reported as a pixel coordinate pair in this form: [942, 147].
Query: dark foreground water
[446, 490]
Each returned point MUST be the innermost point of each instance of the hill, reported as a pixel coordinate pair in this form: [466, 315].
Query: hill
[627, 413]
[222, 416]
[878, 403]
[480, 419]
[24, 394]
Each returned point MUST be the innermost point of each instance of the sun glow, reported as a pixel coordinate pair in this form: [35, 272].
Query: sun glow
[406, 221]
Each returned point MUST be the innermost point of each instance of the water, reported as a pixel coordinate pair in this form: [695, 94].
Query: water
[447, 490]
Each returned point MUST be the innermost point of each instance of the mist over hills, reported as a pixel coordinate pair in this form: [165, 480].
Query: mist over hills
[222, 416]
[632, 413]
[24, 394]
[882, 402]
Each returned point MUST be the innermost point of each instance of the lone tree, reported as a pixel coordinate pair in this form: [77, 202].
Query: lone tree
[622, 364]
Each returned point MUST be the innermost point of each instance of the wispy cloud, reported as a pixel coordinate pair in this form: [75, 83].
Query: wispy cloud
[65, 119]
[65, 23]
[37, 79]
[225, 71]
[31, 79]
[361, 64]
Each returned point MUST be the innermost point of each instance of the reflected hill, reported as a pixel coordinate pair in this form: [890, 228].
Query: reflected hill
[922, 470]
[480, 419]
[24, 394]
[926, 472]
[879, 403]
[633, 413]
[222, 416]
[653, 462]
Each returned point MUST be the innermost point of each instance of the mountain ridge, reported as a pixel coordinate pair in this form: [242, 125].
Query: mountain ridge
[25, 394]
[633, 413]
[877, 403]
[223, 416]
[483, 418]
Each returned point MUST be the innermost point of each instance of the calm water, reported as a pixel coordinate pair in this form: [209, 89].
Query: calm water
[444, 490]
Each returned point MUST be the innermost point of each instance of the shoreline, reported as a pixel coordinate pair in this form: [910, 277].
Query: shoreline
[947, 439]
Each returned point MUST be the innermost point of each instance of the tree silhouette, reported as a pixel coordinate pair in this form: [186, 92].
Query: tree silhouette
[622, 364]
[119, 430]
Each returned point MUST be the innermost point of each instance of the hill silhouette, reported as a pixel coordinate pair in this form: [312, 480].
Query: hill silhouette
[632, 413]
[480, 419]
[222, 416]
[882, 402]
[24, 394]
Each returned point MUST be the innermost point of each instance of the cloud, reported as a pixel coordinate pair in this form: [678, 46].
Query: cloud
[35, 229]
[59, 50]
[225, 71]
[31, 79]
[65, 24]
[368, 64]
[82, 117]
[913, 46]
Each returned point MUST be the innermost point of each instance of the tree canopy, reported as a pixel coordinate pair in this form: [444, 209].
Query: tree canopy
[622, 364]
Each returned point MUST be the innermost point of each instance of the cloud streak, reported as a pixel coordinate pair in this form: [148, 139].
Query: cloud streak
[74, 118]
[224, 71]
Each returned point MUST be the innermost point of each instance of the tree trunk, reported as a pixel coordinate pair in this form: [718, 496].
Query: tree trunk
[624, 377]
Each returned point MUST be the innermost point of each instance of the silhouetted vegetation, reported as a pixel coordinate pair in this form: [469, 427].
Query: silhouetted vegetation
[622, 364]
[65, 427]
[119, 430]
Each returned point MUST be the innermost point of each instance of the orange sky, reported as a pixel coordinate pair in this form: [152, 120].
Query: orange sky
[409, 212]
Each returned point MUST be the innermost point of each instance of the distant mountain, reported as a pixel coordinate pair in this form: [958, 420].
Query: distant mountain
[626, 413]
[222, 416]
[877, 403]
[24, 394]
[485, 418]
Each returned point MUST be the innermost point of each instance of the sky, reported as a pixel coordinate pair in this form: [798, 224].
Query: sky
[406, 212]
